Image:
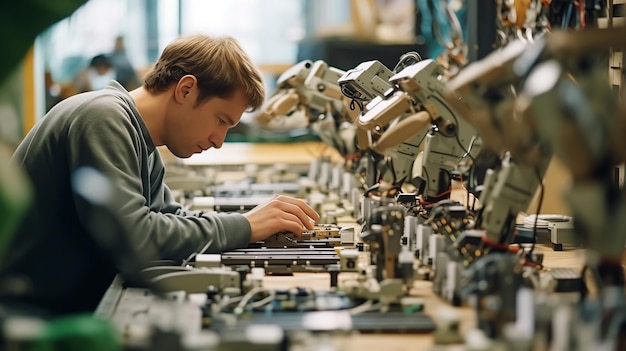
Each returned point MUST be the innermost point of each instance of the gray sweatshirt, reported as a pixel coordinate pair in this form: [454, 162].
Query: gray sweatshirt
[54, 247]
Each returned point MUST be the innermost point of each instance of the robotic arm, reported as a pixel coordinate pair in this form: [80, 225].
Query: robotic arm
[414, 112]
[335, 120]
[308, 95]
[573, 108]
[450, 139]
[362, 85]
[283, 109]
[562, 104]
[489, 107]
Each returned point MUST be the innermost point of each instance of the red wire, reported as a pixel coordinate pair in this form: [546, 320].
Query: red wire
[581, 6]
[494, 244]
[353, 156]
[438, 195]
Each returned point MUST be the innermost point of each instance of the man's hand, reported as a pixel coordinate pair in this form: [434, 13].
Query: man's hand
[281, 214]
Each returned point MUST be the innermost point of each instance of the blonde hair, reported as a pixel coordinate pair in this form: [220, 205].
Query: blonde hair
[219, 64]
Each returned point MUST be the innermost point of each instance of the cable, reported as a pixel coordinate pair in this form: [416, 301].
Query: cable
[250, 294]
[456, 134]
[268, 299]
[455, 25]
[365, 307]
[371, 189]
[541, 192]
[469, 149]
[354, 100]
[445, 192]
[408, 59]
[500, 246]
[195, 253]
[227, 300]
[389, 163]
[467, 152]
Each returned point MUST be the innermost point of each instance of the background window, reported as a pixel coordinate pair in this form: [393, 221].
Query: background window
[268, 30]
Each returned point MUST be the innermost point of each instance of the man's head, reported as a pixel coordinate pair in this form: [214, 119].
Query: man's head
[101, 64]
[210, 82]
[219, 64]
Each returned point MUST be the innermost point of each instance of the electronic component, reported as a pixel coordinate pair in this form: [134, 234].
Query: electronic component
[349, 259]
[283, 261]
[285, 253]
[322, 235]
[383, 231]
[567, 279]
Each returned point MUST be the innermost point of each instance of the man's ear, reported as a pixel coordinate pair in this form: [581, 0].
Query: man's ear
[185, 88]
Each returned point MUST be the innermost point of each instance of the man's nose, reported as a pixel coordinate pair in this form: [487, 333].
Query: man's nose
[218, 137]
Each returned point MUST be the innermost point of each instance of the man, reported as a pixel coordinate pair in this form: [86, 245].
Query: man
[197, 90]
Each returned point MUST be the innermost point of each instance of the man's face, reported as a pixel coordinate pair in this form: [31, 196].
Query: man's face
[192, 129]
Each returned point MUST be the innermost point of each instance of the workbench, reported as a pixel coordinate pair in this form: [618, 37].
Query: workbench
[266, 154]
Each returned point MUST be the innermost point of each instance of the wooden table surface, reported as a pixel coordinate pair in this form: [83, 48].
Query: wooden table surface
[235, 153]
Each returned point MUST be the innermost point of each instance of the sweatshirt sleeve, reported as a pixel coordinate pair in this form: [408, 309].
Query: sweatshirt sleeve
[107, 140]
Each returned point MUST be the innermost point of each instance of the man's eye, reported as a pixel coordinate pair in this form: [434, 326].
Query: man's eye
[221, 121]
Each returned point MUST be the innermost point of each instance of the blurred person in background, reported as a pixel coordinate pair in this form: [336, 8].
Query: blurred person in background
[97, 75]
[125, 72]
[106, 67]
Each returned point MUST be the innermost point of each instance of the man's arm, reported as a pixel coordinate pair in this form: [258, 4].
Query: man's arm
[107, 140]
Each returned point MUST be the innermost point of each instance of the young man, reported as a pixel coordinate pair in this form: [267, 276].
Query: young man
[197, 90]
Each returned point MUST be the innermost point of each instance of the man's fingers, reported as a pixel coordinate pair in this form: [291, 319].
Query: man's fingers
[283, 213]
[302, 206]
[287, 222]
[302, 216]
